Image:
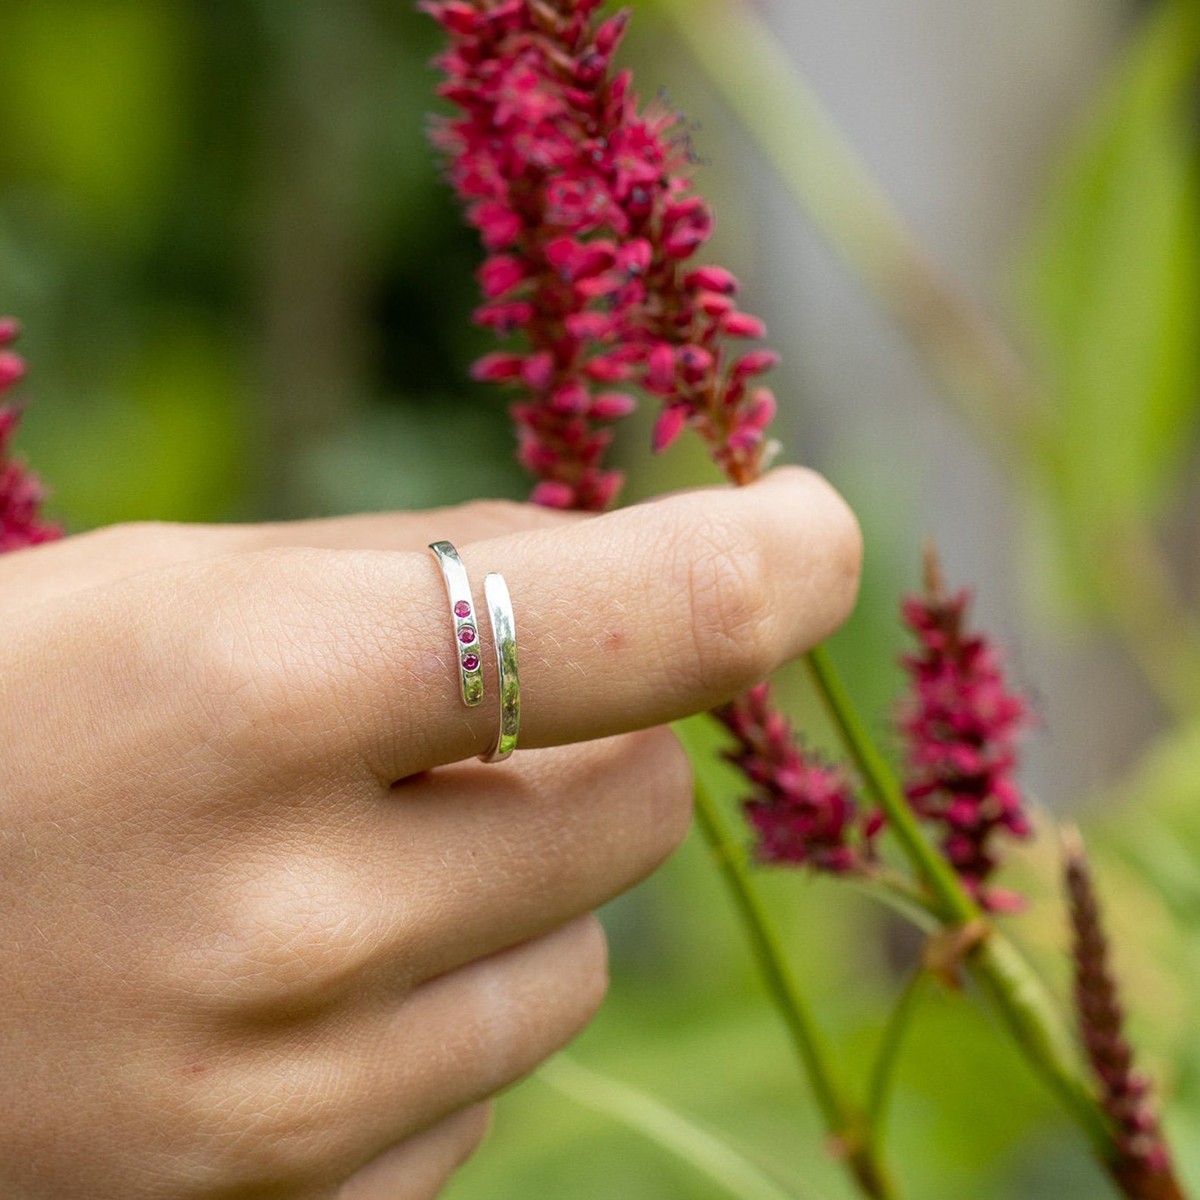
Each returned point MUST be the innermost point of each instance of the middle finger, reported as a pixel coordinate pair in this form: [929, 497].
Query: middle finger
[444, 871]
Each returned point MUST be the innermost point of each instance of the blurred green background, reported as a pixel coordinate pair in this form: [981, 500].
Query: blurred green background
[246, 295]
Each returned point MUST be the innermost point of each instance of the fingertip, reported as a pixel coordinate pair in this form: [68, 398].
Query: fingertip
[829, 538]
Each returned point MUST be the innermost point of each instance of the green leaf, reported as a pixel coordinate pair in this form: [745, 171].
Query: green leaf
[1115, 281]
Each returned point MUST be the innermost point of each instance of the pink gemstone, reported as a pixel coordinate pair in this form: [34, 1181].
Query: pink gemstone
[471, 662]
[466, 634]
[462, 609]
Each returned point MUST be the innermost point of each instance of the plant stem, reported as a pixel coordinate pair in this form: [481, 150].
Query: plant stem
[955, 904]
[884, 1072]
[844, 1124]
[1008, 980]
[662, 1125]
[1035, 1023]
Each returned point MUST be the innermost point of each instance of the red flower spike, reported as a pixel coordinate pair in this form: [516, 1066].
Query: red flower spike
[670, 424]
[538, 371]
[12, 370]
[755, 363]
[553, 495]
[612, 406]
[960, 724]
[803, 811]
[712, 279]
[660, 370]
[500, 274]
[498, 368]
[587, 208]
[1142, 1164]
[21, 492]
[742, 325]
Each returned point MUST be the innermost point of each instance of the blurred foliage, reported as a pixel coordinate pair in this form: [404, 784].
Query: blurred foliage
[1114, 281]
[246, 294]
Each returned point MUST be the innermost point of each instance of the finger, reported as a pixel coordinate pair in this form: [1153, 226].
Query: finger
[496, 1019]
[625, 621]
[502, 860]
[327, 1103]
[419, 1168]
[116, 552]
[457, 865]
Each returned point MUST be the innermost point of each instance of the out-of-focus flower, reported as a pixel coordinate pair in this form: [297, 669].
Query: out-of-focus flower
[587, 210]
[803, 810]
[960, 723]
[21, 492]
[1143, 1163]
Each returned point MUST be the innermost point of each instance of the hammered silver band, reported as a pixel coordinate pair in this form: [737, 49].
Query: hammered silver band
[504, 639]
[467, 649]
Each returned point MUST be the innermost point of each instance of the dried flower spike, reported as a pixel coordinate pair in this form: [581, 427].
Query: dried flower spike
[587, 209]
[21, 493]
[803, 811]
[960, 723]
[1142, 1166]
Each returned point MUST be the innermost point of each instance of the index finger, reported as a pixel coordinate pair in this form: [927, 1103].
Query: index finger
[625, 621]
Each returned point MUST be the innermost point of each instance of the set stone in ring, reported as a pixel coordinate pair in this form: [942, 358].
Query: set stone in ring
[467, 647]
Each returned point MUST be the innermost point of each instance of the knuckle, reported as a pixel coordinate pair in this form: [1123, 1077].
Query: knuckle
[153, 532]
[292, 941]
[267, 1127]
[239, 1125]
[148, 539]
[490, 516]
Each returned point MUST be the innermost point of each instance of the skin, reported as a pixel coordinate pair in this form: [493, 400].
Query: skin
[267, 929]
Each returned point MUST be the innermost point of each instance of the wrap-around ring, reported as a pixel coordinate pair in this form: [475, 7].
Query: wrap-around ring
[467, 648]
[466, 629]
[504, 638]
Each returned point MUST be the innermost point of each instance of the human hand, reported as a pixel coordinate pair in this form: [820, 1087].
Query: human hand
[263, 932]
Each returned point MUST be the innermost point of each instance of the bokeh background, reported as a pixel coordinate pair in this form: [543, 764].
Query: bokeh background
[246, 295]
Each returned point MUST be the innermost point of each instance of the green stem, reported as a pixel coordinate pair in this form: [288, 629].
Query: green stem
[955, 904]
[1003, 974]
[1033, 1019]
[663, 1126]
[884, 1072]
[841, 1120]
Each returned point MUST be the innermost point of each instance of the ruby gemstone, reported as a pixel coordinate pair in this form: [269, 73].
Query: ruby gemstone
[471, 662]
[466, 634]
[462, 609]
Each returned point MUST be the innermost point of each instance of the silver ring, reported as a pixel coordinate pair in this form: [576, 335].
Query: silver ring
[466, 628]
[504, 638]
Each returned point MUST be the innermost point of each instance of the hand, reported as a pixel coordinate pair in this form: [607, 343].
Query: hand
[263, 931]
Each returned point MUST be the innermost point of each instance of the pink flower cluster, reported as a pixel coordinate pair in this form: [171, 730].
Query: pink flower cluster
[21, 493]
[803, 811]
[589, 217]
[587, 211]
[960, 723]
